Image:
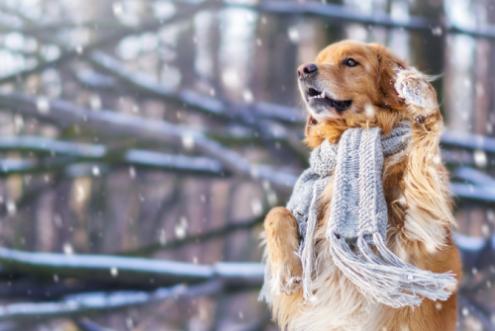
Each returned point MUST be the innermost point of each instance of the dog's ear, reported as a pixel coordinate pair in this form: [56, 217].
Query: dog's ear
[386, 71]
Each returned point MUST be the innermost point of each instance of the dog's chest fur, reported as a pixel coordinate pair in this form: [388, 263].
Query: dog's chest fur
[337, 305]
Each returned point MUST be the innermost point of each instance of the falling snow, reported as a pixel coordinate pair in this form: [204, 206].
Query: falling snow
[118, 8]
[114, 272]
[188, 141]
[68, 249]
[293, 34]
[437, 31]
[181, 228]
[95, 170]
[480, 159]
[11, 207]
[256, 207]
[43, 105]
[132, 172]
[59, 193]
[247, 95]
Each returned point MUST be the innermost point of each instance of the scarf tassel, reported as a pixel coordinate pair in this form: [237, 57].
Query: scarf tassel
[384, 276]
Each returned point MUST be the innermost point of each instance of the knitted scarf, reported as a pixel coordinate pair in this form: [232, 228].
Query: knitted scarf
[358, 222]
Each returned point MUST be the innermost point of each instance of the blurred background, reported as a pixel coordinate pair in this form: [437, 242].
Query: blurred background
[142, 142]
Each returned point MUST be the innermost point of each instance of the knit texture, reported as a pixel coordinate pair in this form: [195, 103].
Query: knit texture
[358, 222]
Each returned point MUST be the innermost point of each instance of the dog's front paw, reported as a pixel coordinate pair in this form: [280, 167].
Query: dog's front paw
[288, 276]
[414, 87]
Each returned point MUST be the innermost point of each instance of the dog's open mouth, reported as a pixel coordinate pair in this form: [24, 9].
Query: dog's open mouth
[320, 98]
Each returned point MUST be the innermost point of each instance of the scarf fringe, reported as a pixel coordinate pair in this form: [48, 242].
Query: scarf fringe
[385, 277]
[306, 252]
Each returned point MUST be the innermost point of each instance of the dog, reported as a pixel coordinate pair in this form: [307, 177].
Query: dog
[354, 84]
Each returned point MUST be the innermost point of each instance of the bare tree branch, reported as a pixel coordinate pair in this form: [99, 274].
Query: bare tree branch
[210, 106]
[127, 270]
[63, 113]
[266, 111]
[477, 311]
[86, 324]
[341, 13]
[67, 55]
[63, 153]
[102, 302]
[197, 238]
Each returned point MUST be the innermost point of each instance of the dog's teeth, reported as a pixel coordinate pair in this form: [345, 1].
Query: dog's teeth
[322, 95]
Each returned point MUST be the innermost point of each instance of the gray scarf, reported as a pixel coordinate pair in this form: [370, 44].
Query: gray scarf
[357, 228]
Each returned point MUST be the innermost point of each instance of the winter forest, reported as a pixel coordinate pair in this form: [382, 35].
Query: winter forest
[142, 142]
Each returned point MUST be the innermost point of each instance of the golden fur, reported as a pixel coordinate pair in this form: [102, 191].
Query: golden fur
[416, 190]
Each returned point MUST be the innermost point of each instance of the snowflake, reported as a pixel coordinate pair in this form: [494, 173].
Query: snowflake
[247, 95]
[114, 272]
[369, 110]
[95, 102]
[294, 35]
[437, 31]
[118, 8]
[256, 207]
[188, 141]
[480, 159]
[95, 171]
[11, 207]
[485, 230]
[132, 172]
[43, 105]
[181, 227]
[68, 249]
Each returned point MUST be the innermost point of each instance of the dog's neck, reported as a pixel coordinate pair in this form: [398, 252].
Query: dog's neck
[331, 130]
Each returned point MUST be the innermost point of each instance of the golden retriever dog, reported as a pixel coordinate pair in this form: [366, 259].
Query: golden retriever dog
[354, 84]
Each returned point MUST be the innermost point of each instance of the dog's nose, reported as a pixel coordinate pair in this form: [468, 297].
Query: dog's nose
[307, 70]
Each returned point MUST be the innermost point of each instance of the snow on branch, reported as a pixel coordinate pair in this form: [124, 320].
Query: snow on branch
[244, 114]
[261, 110]
[332, 12]
[102, 302]
[63, 153]
[208, 235]
[140, 271]
[65, 114]
[127, 270]
[69, 54]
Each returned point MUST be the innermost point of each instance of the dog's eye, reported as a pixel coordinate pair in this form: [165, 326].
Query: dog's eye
[350, 62]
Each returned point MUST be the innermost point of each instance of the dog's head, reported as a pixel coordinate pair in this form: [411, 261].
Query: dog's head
[350, 84]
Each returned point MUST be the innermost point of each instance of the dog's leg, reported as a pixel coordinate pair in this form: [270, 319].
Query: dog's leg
[425, 179]
[282, 241]
[429, 218]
